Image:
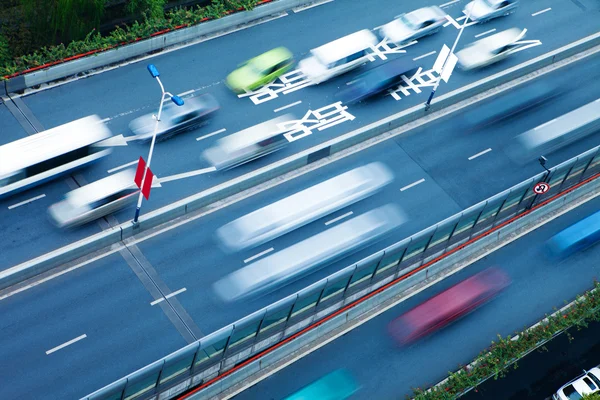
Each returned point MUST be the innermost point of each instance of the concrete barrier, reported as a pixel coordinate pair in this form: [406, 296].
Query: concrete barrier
[398, 291]
[264, 174]
[146, 46]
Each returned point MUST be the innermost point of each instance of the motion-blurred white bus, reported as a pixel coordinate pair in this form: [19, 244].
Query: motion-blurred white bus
[49, 154]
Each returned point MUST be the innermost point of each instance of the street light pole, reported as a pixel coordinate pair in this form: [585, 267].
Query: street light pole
[439, 79]
[179, 102]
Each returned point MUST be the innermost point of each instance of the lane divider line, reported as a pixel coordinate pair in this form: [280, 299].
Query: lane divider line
[41, 196]
[412, 185]
[339, 218]
[288, 106]
[541, 12]
[168, 296]
[449, 3]
[479, 154]
[210, 134]
[424, 55]
[110, 171]
[486, 32]
[254, 257]
[70, 342]
[303, 8]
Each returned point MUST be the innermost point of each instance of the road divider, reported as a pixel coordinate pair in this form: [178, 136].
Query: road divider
[312, 158]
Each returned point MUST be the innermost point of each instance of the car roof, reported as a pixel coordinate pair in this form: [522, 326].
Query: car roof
[425, 13]
[345, 46]
[499, 39]
[102, 188]
[271, 57]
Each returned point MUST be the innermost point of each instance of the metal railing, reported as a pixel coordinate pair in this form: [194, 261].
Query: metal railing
[220, 351]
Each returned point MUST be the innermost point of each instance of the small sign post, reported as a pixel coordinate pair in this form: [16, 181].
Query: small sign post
[541, 188]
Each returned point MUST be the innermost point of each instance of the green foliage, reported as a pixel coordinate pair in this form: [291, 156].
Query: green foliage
[505, 352]
[593, 396]
[5, 55]
[85, 13]
[151, 9]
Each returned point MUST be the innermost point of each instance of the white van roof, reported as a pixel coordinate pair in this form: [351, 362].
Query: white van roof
[344, 47]
[102, 188]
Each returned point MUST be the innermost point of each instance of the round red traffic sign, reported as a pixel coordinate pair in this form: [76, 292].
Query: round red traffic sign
[541, 188]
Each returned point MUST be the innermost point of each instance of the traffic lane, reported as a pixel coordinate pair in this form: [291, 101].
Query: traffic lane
[10, 129]
[190, 256]
[104, 301]
[471, 164]
[167, 162]
[246, 114]
[386, 371]
[26, 230]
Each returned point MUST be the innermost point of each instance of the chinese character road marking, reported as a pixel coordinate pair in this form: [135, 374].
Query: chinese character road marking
[321, 119]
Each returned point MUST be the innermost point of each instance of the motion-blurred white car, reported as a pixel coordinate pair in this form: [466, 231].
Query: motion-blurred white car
[415, 24]
[485, 10]
[587, 383]
[490, 50]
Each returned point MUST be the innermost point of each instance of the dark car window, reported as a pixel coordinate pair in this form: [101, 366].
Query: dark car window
[595, 378]
[590, 384]
[571, 393]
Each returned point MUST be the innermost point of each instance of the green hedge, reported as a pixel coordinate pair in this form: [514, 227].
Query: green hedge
[493, 361]
[128, 33]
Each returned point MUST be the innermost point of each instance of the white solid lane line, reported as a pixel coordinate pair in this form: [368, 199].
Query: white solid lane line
[210, 134]
[41, 196]
[479, 154]
[66, 344]
[262, 253]
[447, 4]
[424, 55]
[540, 12]
[186, 93]
[288, 106]
[412, 184]
[110, 171]
[168, 296]
[485, 33]
[339, 218]
[302, 8]
[186, 174]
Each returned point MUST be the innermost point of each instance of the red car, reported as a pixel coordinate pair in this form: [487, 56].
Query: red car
[448, 306]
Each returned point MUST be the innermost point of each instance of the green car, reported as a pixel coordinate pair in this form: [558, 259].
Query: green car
[261, 70]
[337, 385]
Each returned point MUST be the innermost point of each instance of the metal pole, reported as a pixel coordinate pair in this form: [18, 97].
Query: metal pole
[439, 79]
[162, 99]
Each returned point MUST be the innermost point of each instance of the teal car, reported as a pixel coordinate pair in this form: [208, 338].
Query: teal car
[337, 385]
[260, 70]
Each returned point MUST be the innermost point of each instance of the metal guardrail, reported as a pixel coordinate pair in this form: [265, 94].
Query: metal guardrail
[220, 351]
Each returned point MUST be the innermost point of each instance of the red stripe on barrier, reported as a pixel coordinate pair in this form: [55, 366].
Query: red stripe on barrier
[383, 288]
[71, 58]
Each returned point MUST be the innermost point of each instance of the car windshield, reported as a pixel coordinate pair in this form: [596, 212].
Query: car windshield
[594, 378]
[491, 3]
[571, 393]
[410, 21]
[255, 69]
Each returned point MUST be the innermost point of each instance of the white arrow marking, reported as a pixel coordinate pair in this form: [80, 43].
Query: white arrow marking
[187, 174]
[118, 140]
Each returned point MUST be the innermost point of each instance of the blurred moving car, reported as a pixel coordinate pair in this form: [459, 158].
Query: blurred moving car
[174, 119]
[338, 57]
[555, 134]
[95, 200]
[260, 70]
[586, 383]
[249, 144]
[304, 207]
[337, 385]
[485, 10]
[490, 50]
[377, 80]
[292, 263]
[577, 237]
[413, 25]
[515, 101]
[54, 152]
[448, 306]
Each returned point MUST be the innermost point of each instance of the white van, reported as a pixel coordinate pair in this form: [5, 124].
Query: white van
[338, 57]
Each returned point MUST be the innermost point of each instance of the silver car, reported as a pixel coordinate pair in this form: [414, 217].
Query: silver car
[415, 24]
[490, 50]
[587, 383]
[485, 10]
[195, 112]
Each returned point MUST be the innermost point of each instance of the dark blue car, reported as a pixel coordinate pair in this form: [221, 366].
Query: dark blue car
[377, 80]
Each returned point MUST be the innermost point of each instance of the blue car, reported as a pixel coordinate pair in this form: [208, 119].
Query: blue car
[377, 80]
[577, 237]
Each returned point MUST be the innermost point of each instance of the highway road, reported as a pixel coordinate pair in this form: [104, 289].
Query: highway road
[186, 260]
[124, 93]
[385, 371]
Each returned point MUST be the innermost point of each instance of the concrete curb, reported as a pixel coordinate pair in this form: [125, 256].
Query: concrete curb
[255, 371]
[275, 170]
[150, 45]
